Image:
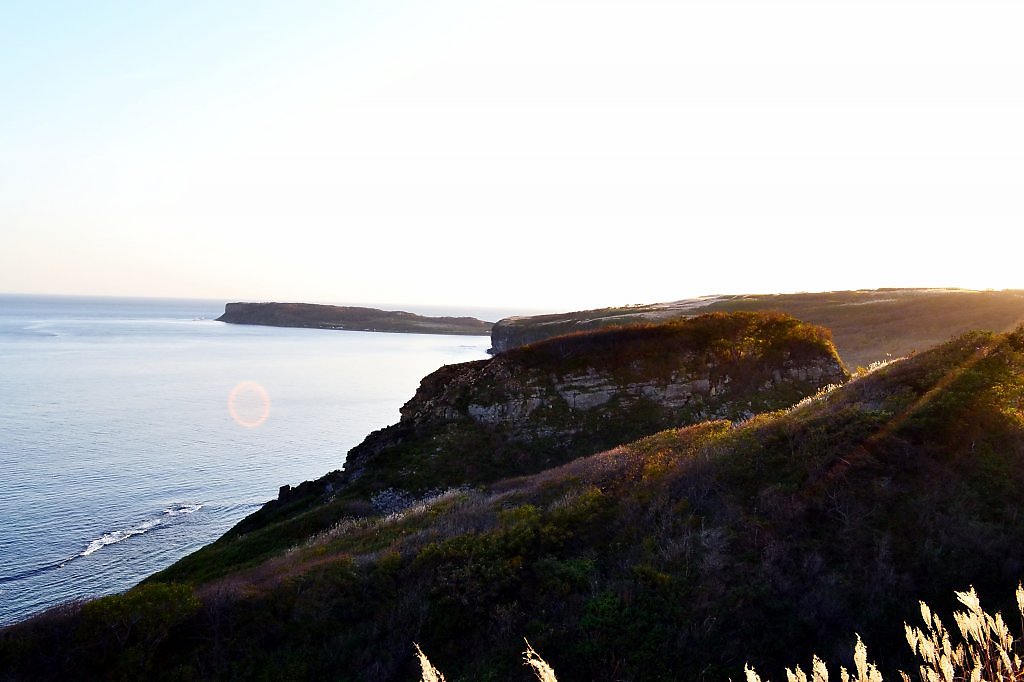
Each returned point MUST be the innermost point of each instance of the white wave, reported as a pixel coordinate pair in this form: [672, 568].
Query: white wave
[119, 536]
[114, 537]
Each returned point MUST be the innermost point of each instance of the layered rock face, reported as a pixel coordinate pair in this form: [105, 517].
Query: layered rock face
[540, 405]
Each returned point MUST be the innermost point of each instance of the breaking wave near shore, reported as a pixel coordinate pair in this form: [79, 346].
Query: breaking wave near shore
[169, 515]
[113, 537]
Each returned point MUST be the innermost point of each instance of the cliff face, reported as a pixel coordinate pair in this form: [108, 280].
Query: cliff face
[541, 405]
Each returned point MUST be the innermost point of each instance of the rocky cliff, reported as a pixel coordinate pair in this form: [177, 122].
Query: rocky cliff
[540, 405]
[350, 318]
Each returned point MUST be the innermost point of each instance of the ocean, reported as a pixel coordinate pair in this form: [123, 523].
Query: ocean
[133, 431]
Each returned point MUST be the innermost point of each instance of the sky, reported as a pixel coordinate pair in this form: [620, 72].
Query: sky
[548, 155]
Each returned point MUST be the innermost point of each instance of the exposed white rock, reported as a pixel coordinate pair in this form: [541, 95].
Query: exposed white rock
[510, 411]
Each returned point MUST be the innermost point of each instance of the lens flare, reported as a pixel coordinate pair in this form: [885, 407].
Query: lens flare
[249, 404]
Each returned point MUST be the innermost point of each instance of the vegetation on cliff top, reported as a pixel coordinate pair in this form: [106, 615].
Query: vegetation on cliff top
[868, 325]
[720, 336]
[684, 555]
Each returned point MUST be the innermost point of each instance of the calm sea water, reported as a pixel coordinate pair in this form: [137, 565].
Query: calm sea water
[133, 432]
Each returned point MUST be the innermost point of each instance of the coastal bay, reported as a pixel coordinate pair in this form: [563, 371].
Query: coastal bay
[121, 452]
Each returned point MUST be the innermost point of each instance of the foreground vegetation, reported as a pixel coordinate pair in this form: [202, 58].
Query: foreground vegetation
[985, 649]
[688, 554]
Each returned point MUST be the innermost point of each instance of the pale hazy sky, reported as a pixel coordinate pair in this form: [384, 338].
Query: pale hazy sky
[551, 154]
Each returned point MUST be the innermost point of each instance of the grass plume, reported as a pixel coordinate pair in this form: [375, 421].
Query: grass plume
[984, 651]
[427, 670]
[533, 660]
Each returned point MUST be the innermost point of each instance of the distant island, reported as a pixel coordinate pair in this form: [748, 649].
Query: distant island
[349, 318]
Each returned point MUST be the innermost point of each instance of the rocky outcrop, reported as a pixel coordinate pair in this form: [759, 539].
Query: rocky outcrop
[544, 404]
[350, 318]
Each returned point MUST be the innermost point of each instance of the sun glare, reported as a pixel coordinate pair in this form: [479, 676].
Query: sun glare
[249, 404]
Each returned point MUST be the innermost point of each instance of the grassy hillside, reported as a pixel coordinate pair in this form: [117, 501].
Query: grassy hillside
[683, 555]
[867, 325]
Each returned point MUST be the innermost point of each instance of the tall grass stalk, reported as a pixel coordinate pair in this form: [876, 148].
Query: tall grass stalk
[540, 667]
[428, 671]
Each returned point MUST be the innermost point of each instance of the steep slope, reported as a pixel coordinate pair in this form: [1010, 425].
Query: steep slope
[680, 556]
[867, 325]
[538, 406]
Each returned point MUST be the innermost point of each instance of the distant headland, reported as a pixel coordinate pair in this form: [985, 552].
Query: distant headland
[350, 318]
